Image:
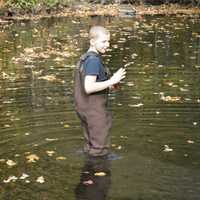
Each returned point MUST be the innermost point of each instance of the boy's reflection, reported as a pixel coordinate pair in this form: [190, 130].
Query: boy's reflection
[95, 179]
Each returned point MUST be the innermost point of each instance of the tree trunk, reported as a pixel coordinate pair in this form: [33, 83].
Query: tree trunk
[2, 3]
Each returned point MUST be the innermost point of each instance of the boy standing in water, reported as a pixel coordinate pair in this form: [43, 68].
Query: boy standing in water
[91, 93]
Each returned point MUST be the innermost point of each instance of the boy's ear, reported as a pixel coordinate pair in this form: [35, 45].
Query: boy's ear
[92, 42]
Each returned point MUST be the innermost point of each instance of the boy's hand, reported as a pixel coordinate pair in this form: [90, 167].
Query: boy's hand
[118, 76]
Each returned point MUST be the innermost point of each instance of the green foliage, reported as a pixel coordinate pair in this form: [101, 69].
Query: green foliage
[51, 3]
[22, 3]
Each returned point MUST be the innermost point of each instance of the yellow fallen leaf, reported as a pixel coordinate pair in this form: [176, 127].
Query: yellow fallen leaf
[119, 147]
[10, 178]
[48, 77]
[123, 136]
[88, 182]
[130, 84]
[100, 174]
[32, 158]
[28, 50]
[190, 142]
[7, 125]
[136, 105]
[10, 163]
[23, 176]
[51, 139]
[176, 54]
[169, 98]
[66, 126]
[40, 179]
[195, 123]
[61, 158]
[50, 153]
[167, 148]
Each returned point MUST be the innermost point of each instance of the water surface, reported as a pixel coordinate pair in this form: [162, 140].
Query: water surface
[156, 111]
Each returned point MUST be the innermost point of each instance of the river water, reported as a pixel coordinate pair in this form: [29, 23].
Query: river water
[156, 111]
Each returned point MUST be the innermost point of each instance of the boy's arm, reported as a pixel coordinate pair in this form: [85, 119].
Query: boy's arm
[91, 85]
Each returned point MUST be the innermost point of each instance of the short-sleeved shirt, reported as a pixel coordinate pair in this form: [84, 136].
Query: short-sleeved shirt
[93, 66]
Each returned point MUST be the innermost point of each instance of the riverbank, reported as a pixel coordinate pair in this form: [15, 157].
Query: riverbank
[86, 10]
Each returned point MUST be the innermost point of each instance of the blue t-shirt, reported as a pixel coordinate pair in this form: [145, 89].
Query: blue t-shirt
[93, 66]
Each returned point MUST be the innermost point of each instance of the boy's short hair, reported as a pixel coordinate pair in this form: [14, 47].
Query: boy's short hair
[95, 31]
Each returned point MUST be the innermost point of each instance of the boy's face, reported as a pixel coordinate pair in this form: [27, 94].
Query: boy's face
[101, 43]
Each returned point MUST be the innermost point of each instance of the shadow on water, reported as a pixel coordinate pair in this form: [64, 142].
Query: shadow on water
[156, 111]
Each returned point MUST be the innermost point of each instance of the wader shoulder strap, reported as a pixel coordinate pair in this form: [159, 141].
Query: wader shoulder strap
[84, 57]
[79, 72]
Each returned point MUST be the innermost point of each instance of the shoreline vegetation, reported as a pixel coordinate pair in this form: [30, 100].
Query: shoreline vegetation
[84, 9]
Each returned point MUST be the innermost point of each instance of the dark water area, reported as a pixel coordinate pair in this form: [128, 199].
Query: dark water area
[156, 111]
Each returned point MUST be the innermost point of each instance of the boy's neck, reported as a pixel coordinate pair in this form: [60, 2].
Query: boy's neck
[93, 49]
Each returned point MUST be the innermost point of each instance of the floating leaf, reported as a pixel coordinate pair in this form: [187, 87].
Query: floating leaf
[136, 105]
[169, 98]
[88, 182]
[7, 125]
[194, 123]
[40, 179]
[184, 90]
[50, 153]
[130, 84]
[10, 179]
[51, 139]
[190, 141]
[176, 54]
[28, 50]
[32, 158]
[61, 158]
[23, 176]
[123, 136]
[119, 147]
[100, 174]
[66, 126]
[167, 148]
[48, 77]
[10, 163]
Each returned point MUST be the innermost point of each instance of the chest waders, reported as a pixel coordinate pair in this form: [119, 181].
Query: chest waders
[92, 110]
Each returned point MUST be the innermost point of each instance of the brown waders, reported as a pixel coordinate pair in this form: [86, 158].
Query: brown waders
[95, 119]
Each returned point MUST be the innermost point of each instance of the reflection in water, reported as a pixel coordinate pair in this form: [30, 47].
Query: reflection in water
[95, 179]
